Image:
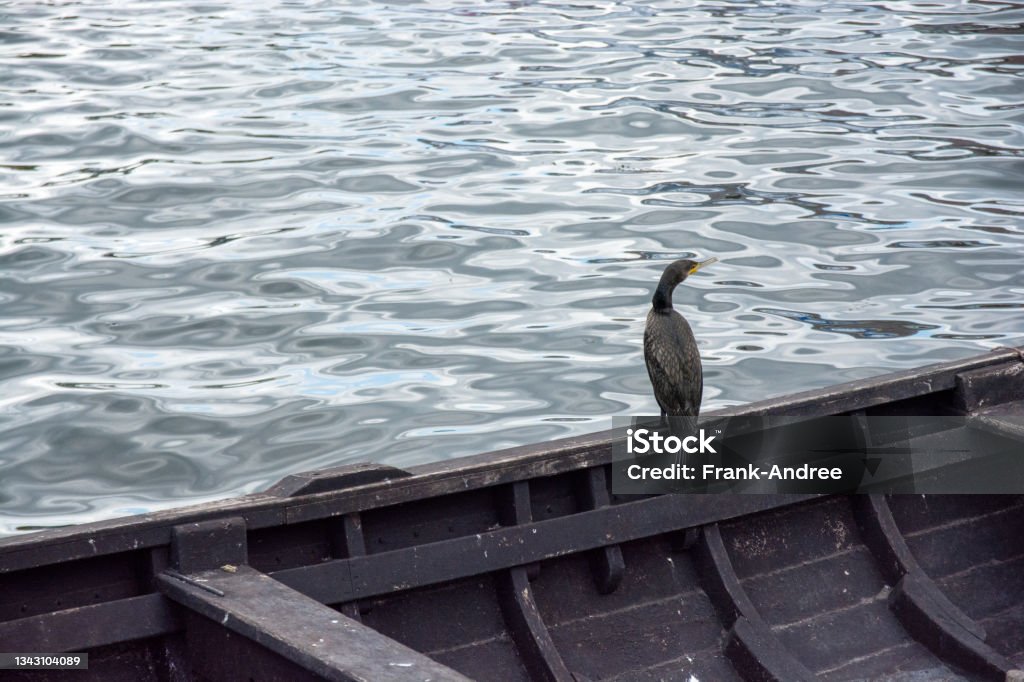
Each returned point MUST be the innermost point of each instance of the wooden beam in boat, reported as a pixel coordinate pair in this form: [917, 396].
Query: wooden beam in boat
[245, 624]
[344, 580]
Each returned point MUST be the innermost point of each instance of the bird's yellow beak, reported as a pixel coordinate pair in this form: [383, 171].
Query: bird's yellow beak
[702, 264]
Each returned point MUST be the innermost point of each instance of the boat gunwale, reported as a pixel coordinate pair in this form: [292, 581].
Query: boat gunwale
[262, 510]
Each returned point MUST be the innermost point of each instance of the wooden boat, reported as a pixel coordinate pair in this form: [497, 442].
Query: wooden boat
[521, 565]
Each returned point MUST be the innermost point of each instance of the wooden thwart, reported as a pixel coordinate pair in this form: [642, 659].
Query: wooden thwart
[306, 634]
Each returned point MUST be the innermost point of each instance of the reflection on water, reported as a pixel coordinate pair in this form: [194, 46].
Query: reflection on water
[240, 241]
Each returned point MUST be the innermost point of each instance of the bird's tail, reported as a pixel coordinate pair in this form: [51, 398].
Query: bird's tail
[681, 426]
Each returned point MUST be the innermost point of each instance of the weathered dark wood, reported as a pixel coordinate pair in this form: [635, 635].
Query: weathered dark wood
[883, 537]
[263, 510]
[994, 396]
[269, 616]
[376, 574]
[527, 628]
[719, 580]
[334, 479]
[347, 541]
[752, 647]
[913, 603]
[606, 563]
[514, 509]
[977, 389]
[68, 584]
[87, 627]
[440, 560]
[216, 653]
[757, 655]
[210, 544]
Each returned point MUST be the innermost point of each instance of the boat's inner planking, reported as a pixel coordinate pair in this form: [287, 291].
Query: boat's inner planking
[521, 565]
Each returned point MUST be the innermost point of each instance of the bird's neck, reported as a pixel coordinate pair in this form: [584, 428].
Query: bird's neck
[662, 300]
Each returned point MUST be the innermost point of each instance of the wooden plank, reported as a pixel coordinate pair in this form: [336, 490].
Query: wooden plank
[67, 585]
[343, 580]
[303, 632]
[262, 510]
[86, 627]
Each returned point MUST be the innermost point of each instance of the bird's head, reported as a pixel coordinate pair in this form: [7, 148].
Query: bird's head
[681, 269]
[675, 273]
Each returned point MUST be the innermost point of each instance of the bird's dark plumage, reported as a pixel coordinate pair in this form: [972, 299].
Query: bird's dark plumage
[670, 350]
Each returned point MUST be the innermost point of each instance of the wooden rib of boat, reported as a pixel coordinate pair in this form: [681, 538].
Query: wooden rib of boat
[521, 565]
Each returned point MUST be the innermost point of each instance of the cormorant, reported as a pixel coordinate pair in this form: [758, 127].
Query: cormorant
[671, 353]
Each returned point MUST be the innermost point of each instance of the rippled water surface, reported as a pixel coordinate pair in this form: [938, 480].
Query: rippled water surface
[242, 240]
